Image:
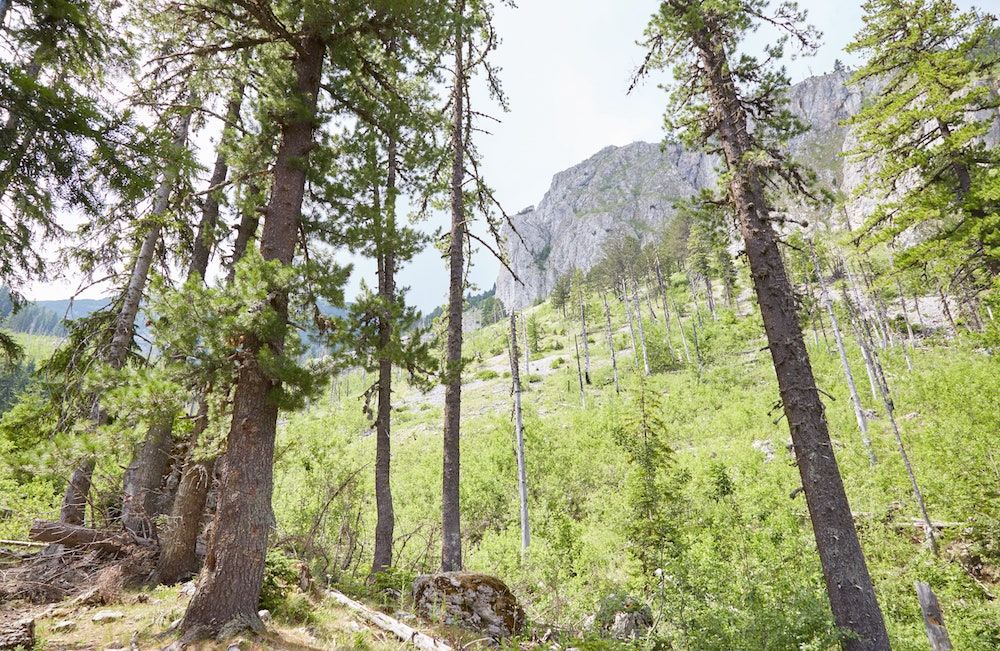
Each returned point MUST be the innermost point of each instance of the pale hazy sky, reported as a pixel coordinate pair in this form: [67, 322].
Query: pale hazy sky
[566, 67]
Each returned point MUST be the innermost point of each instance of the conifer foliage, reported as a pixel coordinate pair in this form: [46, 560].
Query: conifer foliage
[925, 133]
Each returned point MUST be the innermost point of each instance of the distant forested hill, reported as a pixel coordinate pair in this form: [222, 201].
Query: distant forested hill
[44, 317]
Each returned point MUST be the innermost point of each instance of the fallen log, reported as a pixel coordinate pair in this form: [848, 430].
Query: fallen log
[394, 626]
[73, 535]
[22, 543]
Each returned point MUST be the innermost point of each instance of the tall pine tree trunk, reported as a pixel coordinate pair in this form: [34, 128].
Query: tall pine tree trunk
[385, 521]
[451, 524]
[848, 583]
[229, 589]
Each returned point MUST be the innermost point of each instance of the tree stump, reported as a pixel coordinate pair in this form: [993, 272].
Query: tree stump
[933, 618]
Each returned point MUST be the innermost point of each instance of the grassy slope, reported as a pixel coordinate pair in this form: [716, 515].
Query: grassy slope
[739, 564]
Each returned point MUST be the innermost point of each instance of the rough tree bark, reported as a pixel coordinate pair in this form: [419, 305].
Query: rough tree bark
[451, 524]
[848, 583]
[385, 519]
[229, 589]
[75, 500]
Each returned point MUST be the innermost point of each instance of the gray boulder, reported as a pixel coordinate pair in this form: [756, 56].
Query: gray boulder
[476, 602]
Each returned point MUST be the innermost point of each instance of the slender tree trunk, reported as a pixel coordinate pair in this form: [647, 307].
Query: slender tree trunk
[229, 589]
[583, 336]
[884, 395]
[631, 326]
[906, 319]
[527, 347]
[680, 326]
[946, 309]
[579, 370]
[694, 295]
[859, 412]
[611, 341]
[116, 353]
[205, 238]
[522, 476]
[849, 585]
[386, 518]
[638, 320]
[246, 231]
[711, 297]
[649, 302]
[451, 524]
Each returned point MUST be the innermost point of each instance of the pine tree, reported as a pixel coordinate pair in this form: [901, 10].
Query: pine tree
[935, 180]
[734, 105]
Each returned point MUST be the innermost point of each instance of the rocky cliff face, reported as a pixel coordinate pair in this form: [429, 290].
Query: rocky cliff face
[632, 190]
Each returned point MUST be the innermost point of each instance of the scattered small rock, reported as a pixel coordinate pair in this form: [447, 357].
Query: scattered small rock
[189, 588]
[64, 626]
[106, 616]
[766, 447]
[265, 615]
[622, 617]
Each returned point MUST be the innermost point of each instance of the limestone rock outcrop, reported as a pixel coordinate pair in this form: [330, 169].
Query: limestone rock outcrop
[632, 190]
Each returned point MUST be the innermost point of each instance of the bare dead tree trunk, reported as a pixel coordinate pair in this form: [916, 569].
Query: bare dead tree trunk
[642, 334]
[611, 341]
[631, 325]
[522, 476]
[859, 412]
[887, 403]
[937, 633]
[680, 326]
[583, 336]
[579, 370]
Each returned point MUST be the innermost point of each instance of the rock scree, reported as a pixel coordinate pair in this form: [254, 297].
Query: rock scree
[477, 602]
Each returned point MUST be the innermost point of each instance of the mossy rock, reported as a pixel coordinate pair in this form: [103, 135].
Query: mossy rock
[477, 602]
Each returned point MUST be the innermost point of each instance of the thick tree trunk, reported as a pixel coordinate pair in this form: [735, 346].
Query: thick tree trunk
[74, 535]
[848, 583]
[229, 589]
[143, 477]
[451, 519]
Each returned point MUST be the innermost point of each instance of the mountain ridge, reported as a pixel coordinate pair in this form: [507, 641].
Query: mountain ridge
[631, 190]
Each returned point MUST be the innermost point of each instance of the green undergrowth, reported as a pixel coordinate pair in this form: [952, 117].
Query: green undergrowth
[714, 537]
